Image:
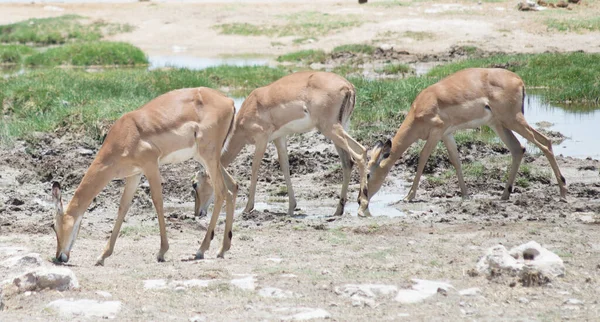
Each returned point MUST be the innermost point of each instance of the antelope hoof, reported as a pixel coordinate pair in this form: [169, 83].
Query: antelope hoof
[364, 213]
[563, 199]
[221, 255]
[199, 255]
[466, 197]
[160, 258]
[202, 213]
[409, 198]
[100, 262]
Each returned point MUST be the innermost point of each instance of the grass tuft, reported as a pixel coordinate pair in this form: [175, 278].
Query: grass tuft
[574, 25]
[306, 56]
[14, 54]
[392, 69]
[355, 48]
[90, 53]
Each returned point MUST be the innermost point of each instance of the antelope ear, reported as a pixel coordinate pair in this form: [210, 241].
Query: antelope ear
[387, 147]
[374, 151]
[57, 197]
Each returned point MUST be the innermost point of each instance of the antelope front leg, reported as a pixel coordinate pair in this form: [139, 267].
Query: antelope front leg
[455, 160]
[232, 188]
[347, 174]
[261, 147]
[220, 191]
[280, 144]
[432, 141]
[131, 184]
[153, 175]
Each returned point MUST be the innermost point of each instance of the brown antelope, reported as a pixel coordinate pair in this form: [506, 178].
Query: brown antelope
[174, 127]
[467, 99]
[296, 103]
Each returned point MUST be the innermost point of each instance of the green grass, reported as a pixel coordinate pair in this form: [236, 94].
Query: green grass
[570, 77]
[74, 100]
[355, 48]
[307, 56]
[303, 24]
[392, 69]
[418, 35]
[574, 25]
[14, 54]
[89, 53]
[58, 30]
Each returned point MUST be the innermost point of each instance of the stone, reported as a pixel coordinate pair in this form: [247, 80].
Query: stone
[498, 258]
[275, 260]
[573, 302]
[84, 152]
[55, 278]
[386, 47]
[104, 294]
[422, 290]
[536, 257]
[305, 313]
[523, 300]
[155, 284]
[177, 285]
[275, 293]
[365, 294]
[474, 291]
[85, 308]
[21, 263]
[197, 318]
[1, 300]
[245, 283]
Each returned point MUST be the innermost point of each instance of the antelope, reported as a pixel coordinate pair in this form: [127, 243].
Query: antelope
[174, 127]
[467, 99]
[296, 103]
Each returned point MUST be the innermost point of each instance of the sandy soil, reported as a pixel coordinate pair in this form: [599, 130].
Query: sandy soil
[311, 257]
[185, 28]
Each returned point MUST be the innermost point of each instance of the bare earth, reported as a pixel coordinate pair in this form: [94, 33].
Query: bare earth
[312, 257]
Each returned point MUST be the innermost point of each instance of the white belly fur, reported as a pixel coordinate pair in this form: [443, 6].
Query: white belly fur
[302, 125]
[179, 155]
[473, 124]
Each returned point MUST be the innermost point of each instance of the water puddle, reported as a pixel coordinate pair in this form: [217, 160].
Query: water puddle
[578, 123]
[198, 63]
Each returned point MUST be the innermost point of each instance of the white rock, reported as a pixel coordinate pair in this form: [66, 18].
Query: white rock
[523, 300]
[421, 290]
[474, 291]
[192, 283]
[573, 302]
[83, 151]
[20, 263]
[104, 294]
[197, 318]
[367, 290]
[305, 313]
[155, 284]
[55, 278]
[289, 275]
[180, 289]
[498, 258]
[386, 47]
[7, 251]
[536, 257]
[275, 260]
[275, 292]
[245, 283]
[86, 308]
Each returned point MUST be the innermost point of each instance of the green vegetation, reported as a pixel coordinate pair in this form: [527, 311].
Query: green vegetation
[306, 56]
[57, 30]
[89, 53]
[49, 99]
[574, 25]
[388, 3]
[355, 48]
[306, 24]
[13, 54]
[392, 69]
[570, 77]
[418, 35]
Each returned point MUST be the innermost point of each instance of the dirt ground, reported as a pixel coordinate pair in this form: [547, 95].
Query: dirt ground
[312, 257]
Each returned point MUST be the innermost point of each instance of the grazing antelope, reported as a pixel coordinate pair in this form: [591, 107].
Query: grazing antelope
[174, 127]
[467, 99]
[296, 103]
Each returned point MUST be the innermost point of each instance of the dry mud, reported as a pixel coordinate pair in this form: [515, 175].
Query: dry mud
[311, 257]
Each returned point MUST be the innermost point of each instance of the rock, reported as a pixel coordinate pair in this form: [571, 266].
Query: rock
[1, 301]
[422, 290]
[245, 283]
[573, 302]
[498, 258]
[575, 1]
[8, 251]
[536, 257]
[155, 284]
[178, 285]
[86, 308]
[197, 318]
[274, 260]
[386, 47]
[305, 313]
[474, 291]
[523, 300]
[15, 202]
[21, 263]
[55, 278]
[104, 294]
[562, 4]
[366, 290]
[275, 293]
[83, 151]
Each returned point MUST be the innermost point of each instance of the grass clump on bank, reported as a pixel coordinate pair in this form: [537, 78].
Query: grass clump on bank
[308, 56]
[355, 48]
[13, 54]
[574, 25]
[89, 53]
[569, 77]
[77, 101]
[392, 69]
[57, 30]
[306, 24]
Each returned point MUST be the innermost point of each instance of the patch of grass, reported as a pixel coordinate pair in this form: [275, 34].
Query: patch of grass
[574, 24]
[418, 35]
[90, 53]
[355, 48]
[570, 77]
[388, 4]
[346, 69]
[474, 170]
[58, 30]
[303, 40]
[393, 69]
[74, 100]
[306, 56]
[306, 24]
[14, 54]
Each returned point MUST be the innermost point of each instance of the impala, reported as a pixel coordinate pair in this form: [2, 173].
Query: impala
[467, 99]
[174, 127]
[296, 103]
